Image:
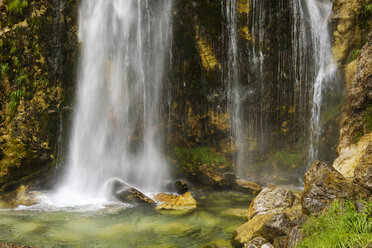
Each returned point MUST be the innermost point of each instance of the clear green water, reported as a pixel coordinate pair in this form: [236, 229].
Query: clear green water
[212, 222]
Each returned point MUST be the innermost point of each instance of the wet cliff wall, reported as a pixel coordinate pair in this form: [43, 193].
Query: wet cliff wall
[38, 45]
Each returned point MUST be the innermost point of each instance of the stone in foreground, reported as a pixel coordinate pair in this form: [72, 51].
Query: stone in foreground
[268, 226]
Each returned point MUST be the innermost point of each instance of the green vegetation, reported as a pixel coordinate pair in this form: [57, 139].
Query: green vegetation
[191, 158]
[354, 54]
[367, 10]
[17, 6]
[340, 226]
[14, 99]
[285, 159]
[4, 68]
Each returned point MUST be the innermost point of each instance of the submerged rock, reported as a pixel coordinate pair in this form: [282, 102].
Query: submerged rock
[175, 202]
[125, 193]
[324, 184]
[247, 186]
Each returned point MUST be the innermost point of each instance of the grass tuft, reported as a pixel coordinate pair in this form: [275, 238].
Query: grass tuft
[340, 226]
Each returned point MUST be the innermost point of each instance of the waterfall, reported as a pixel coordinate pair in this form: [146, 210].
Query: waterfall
[325, 68]
[279, 69]
[115, 132]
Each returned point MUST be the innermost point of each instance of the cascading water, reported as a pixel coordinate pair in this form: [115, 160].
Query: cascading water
[325, 69]
[126, 46]
[279, 74]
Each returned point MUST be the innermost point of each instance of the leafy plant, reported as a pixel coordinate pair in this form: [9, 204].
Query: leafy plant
[340, 226]
[17, 6]
[14, 99]
[367, 10]
[21, 80]
[4, 68]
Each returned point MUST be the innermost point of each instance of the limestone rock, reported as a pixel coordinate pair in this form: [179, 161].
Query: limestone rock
[268, 226]
[324, 184]
[347, 33]
[247, 186]
[273, 200]
[355, 132]
[175, 202]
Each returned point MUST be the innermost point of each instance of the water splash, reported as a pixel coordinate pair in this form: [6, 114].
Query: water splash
[115, 133]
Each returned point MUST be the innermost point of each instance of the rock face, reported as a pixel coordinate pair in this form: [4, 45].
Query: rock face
[38, 51]
[348, 33]
[323, 184]
[271, 215]
[175, 202]
[363, 171]
[356, 127]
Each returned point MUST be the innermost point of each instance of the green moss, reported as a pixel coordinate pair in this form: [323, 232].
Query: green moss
[285, 159]
[17, 6]
[354, 54]
[341, 226]
[191, 158]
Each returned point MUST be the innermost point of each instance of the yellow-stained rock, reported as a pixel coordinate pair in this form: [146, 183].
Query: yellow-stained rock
[349, 156]
[207, 56]
[175, 202]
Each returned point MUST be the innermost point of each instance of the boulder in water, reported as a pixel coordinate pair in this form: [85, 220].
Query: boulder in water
[132, 195]
[127, 194]
[181, 187]
[175, 202]
[247, 186]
